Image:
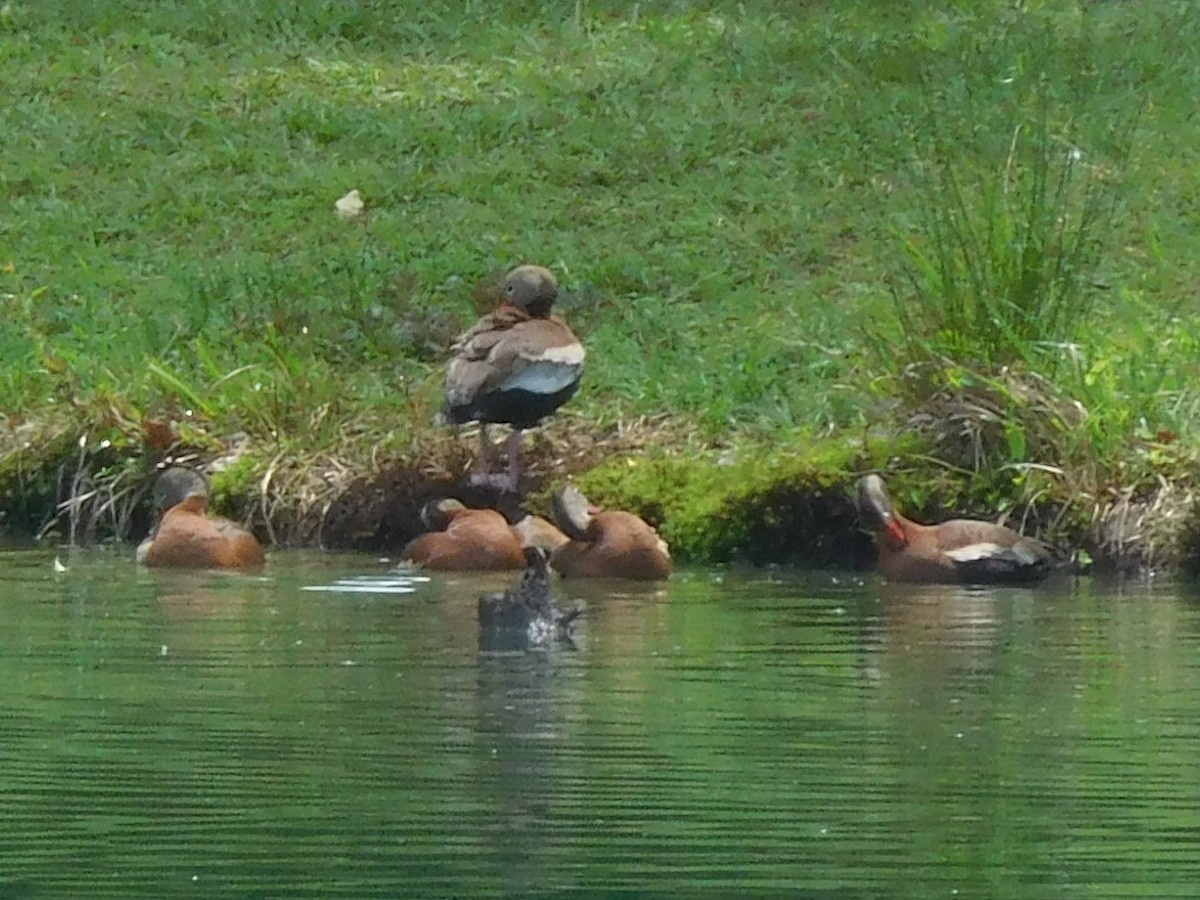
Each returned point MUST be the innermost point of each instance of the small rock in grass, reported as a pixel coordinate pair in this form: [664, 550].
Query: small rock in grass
[351, 206]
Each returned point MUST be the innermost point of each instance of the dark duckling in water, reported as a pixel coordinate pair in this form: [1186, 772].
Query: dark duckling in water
[528, 614]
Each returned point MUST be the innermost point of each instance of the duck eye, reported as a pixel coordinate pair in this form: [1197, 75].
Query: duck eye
[508, 289]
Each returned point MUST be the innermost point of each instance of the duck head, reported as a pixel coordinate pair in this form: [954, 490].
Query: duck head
[534, 588]
[537, 562]
[572, 512]
[178, 484]
[876, 512]
[436, 514]
[531, 288]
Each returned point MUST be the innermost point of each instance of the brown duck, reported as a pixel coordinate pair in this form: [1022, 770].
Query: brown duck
[187, 537]
[462, 539]
[961, 550]
[534, 531]
[606, 544]
[515, 366]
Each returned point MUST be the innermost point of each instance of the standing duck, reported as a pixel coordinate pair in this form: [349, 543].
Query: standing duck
[961, 550]
[606, 544]
[528, 613]
[515, 366]
[462, 539]
[187, 537]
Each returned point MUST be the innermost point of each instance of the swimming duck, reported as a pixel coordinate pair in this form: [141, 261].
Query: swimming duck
[515, 366]
[528, 613]
[187, 537]
[462, 539]
[961, 550]
[606, 544]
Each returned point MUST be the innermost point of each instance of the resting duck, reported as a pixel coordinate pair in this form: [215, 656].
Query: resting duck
[606, 544]
[462, 539]
[515, 366]
[961, 550]
[534, 531]
[527, 614]
[187, 537]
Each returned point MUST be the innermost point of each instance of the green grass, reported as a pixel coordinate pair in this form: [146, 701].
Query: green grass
[733, 195]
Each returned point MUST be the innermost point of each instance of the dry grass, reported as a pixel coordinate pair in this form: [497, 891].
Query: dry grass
[1015, 415]
[1134, 531]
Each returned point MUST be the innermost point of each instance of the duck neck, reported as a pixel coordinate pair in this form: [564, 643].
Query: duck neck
[196, 503]
[895, 532]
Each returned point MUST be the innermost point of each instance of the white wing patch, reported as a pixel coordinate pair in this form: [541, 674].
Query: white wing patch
[542, 377]
[976, 552]
[570, 355]
[567, 355]
[1027, 555]
[1020, 554]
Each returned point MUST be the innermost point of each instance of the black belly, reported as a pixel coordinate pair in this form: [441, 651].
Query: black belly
[518, 408]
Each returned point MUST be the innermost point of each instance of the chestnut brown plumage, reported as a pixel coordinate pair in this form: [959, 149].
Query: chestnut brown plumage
[534, 531]
[961, 550]
[187, 537]
[462, 539]
[606, 544]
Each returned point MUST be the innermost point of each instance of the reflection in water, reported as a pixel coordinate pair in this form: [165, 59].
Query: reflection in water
[525, 700]
[183, 596]
[957, 626]
[714, 736]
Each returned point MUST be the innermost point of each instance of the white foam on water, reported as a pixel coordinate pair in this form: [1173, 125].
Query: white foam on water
[369, 584]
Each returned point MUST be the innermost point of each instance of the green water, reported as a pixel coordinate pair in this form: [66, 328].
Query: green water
[730, 734]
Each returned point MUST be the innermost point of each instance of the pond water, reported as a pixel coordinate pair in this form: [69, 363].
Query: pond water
[329, 730]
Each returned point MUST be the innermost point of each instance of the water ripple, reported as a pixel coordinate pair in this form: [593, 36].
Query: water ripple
[719, 736]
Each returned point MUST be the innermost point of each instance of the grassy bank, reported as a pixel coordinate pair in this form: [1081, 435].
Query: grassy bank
[805, 234]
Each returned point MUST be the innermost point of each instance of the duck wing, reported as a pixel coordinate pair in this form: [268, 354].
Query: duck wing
[991, 553]
[471, 362]
[539, 355]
